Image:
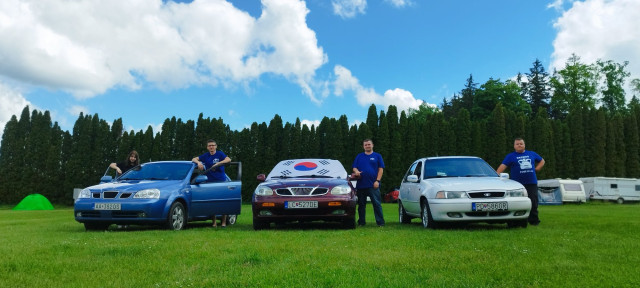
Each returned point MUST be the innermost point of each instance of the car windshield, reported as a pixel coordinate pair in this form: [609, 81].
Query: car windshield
[308, 168]
[158, 171]
[458, 167]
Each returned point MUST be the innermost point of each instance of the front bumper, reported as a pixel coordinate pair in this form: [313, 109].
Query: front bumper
[454, 210]
[138, 211]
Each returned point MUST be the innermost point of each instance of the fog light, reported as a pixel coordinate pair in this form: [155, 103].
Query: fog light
[520, 213]
[454, 215]
[338, 211]
[79, 214]
[142, 215]
[265, 213]
[268, 204]
[335, 203]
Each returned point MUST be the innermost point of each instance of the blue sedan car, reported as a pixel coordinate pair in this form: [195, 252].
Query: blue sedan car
[169, 193]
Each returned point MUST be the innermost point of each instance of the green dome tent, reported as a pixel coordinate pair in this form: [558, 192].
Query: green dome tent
[34, 202]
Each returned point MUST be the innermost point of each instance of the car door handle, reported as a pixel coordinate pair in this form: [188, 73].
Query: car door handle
[231, 187]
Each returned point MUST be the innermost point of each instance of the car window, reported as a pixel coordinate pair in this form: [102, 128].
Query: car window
[411, 170]
[458, 167]
[418, 171]
[158, 171]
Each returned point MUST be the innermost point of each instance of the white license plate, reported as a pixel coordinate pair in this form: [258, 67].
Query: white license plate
[300, 204]
[489, 206]
[107, 206]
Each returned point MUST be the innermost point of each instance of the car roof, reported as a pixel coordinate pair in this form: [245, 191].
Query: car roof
[449, 157]
[297, 167]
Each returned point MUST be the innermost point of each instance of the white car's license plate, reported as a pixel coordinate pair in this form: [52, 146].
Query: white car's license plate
[300, 204]
[107, 206]
[489, 206]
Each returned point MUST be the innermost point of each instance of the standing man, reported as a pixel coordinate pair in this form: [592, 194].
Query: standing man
[213, 161]
[368, 166]
[521, 165]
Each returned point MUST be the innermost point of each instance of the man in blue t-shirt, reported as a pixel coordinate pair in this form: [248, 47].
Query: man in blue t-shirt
[521, 165]
[213, 161]
[369, 166]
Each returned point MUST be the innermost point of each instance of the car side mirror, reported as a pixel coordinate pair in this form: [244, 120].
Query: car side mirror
[261, 178]
[413, 178]
[201, 179]
[353, 176]
[105, 179]
[504, 175]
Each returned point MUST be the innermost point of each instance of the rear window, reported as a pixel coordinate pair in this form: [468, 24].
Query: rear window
[571, 187]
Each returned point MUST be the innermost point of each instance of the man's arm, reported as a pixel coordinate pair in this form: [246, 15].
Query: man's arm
[378, 178]
[539, 166]
[501, 168]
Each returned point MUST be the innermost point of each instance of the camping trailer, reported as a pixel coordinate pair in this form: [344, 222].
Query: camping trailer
[612, 189]
[561, 190]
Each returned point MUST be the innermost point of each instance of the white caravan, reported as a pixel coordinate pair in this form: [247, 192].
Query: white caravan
[571, 190]
[613, 189]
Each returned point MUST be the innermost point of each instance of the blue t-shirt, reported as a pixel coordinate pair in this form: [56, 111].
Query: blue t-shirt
[368, 166]
[522, 166]
[217, 174]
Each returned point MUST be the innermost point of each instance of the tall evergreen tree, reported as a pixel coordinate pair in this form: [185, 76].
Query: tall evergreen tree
[537, 87]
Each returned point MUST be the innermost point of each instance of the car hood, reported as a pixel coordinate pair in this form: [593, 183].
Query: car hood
[309, 182]
[134, 185]
[474, 183]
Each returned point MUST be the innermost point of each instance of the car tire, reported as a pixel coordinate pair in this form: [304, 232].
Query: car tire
[176, 220]
[427, 219]
[260, 224]
[517, 223]
[231, 219]
[402, 214]
[349, 223]
[620, 201]
[96, 226]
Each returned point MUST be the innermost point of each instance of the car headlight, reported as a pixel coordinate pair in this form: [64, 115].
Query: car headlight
[148, 194]
[341, 190]
[263, 191]
[451, 194]
[85, 193]
[520, 192]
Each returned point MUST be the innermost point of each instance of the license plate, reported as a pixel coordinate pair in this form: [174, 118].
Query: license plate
[300, 204]
[107, 206]
[489, 206]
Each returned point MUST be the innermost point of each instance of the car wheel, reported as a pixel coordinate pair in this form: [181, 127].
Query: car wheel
[231, 219]
[517, 223]
[427, 220]
[260, 224]
[177, 218]
[620, 201]
[349, 223]
[96, 226]
[402, 214]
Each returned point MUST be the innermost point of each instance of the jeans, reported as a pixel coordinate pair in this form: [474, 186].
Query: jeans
[374, 194]
[532, 192]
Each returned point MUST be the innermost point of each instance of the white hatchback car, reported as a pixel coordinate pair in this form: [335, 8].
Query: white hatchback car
[461, 189]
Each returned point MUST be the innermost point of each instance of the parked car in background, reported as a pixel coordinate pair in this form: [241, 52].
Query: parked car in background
[169, 193]
[304, 190]
[460, 189]
[392, 196]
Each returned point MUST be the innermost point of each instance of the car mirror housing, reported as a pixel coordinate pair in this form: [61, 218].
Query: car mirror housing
[504, 175]
[413, 178]
[105, 179]
[201, 179]
[261, 177]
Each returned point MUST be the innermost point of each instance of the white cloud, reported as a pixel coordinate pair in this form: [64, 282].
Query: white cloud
[309, 123]
[77, 109]
[400, 3]
[12, 104]
[348, 8]
[89, 47]
[345, 81]
[599, 29]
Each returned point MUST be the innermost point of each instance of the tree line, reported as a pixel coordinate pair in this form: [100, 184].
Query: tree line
[577, 119]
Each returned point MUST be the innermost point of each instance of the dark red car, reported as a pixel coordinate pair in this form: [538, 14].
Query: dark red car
[304, 190]
[392, 196]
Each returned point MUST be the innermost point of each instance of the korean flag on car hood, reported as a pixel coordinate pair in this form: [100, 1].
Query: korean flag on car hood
[308, 167]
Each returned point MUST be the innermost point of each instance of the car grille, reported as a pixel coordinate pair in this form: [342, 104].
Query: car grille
[110, 195]
[486, 194]
[301, 191]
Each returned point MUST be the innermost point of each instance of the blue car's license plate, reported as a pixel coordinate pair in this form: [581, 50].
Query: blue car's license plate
[107, 206]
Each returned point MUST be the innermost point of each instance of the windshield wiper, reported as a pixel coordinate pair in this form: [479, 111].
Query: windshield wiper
[314, 176]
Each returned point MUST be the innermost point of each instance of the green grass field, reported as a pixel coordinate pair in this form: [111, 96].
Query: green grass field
[589, 245]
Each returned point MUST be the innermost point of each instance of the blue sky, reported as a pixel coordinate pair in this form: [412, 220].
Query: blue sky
[247, 60]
